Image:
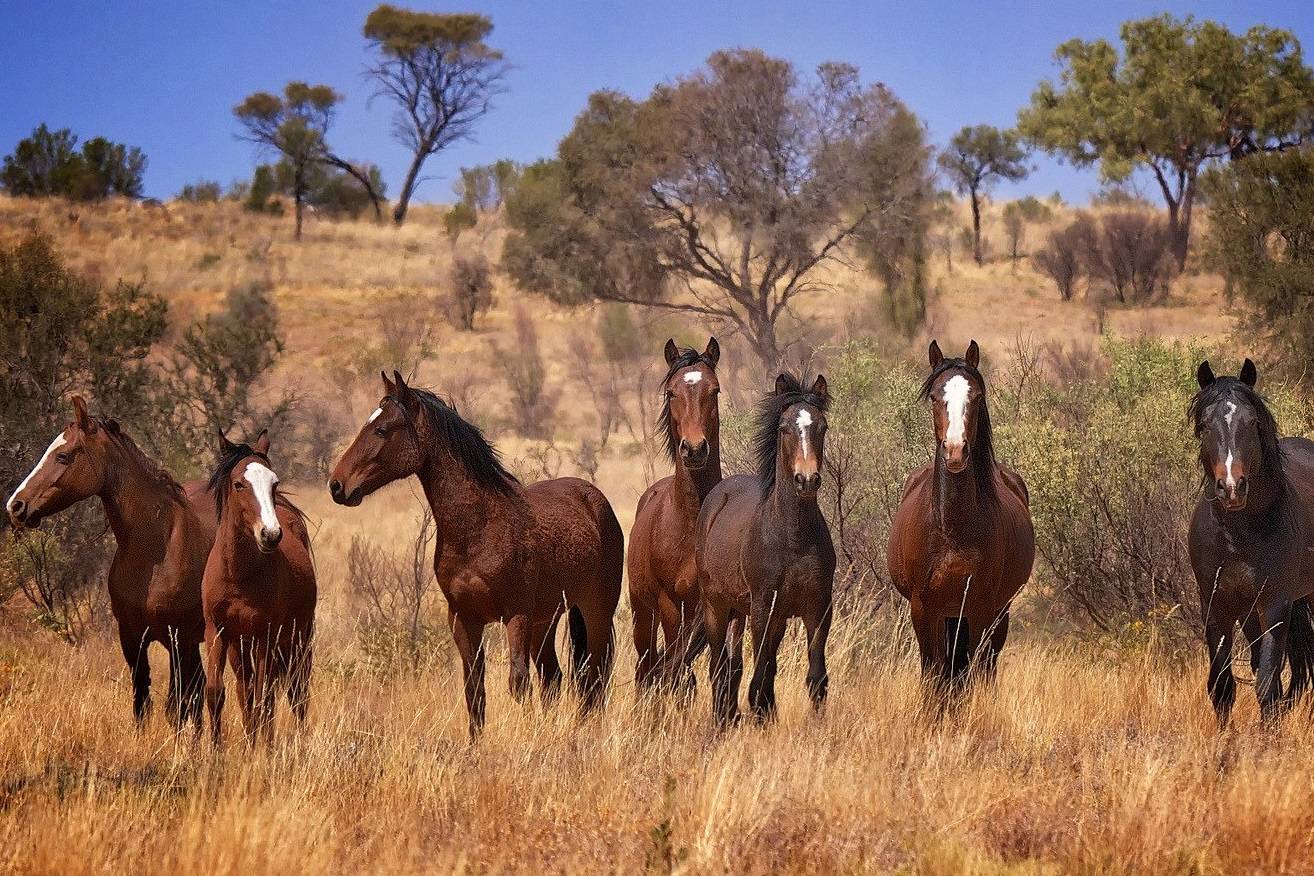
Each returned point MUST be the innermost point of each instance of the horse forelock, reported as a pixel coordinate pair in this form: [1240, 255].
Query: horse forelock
[982, 454]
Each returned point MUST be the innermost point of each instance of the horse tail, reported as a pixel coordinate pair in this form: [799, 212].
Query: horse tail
[579, 639]
[1300, 646]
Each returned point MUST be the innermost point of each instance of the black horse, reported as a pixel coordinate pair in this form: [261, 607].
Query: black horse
[1252, 540]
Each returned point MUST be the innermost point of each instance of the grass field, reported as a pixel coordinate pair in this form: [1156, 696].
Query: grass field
[1083, 758]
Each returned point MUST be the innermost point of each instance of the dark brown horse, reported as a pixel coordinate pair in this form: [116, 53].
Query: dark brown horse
[962, 544]
[764, 553]
[163, 535]
[259, 591]
[663, 574]
[506, 553]
[1252, 540]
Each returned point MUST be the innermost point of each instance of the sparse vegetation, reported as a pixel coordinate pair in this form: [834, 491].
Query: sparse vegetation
[48, 164]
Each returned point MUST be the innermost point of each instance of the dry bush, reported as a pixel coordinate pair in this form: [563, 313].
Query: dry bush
[469, 290]
[533, 401]
[400, 622]
[1132, 255]
[1062, 257]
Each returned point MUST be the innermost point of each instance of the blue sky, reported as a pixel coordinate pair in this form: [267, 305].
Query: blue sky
[165, 75]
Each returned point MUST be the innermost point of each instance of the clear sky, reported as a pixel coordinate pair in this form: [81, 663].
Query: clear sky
[165, 75]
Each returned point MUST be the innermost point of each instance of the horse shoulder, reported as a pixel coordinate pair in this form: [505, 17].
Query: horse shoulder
[1013, 481]
[918, 478]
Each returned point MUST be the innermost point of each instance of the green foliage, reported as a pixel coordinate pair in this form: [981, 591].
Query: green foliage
[203, 191]
[975, 158]
[738, 180]
[402, 32]
[1262, 237]
[461, 217]
[264, 185]
[1179, 94]
[485, 187]
[47, 164]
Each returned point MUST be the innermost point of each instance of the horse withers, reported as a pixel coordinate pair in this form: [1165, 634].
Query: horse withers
[259, 592]
[663, 577]
[506, 553]
[765, 555]
[962, 543]
[163, 532]
[1252, 540]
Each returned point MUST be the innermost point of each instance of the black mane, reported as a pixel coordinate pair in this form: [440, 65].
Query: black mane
[688, 357]
[466, 443]
[1270, 450]
[766, 440]
[152, 468]
[982, 454]
[228, 460]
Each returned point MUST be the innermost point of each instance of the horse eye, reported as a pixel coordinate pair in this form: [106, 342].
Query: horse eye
[62, 458]
[378, 430]
[237, 485]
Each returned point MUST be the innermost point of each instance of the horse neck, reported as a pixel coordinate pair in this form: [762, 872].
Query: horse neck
[692, 487]
[136, 501]
[243, 560]
[1265, 501]
[955, 500]
[792, 514]
[461, 505]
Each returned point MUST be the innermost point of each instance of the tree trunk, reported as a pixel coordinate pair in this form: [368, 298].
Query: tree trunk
[976, 228]
[297, 197]
[1182, 231]
[408, 187]
[363, 178]
[762, 336]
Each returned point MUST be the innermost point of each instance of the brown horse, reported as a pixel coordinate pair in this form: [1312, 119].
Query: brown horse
[163, 534]
[663, 574]
[505, 553]
[259, 591]
[962, 544]
[764, 553]
[1252, 540]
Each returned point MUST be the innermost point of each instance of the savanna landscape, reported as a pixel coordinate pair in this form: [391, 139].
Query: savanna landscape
[537, 303]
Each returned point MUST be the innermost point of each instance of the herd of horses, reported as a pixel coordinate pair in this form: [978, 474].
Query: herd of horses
[227, 562]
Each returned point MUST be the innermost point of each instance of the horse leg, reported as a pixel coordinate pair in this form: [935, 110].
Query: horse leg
[191, 674]
[1222, 684]
[518, 649]
[929, 644]
[768, 632]
[994, 645]
[544, 640]
[243, 663]
[645, 642]
[734, 644]
[724, 696]
[1300, 648]
[469, 636]
[590, 637]
[1272, 656]
[214, 682]
[135, 645]
[818, 630]
[262, 693]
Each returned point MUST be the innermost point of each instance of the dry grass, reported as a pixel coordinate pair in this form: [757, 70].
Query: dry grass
[1081, 760]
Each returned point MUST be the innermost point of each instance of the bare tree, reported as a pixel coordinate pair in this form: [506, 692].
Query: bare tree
[441, 75]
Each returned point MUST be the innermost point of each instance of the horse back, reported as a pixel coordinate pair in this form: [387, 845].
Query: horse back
[577, 539]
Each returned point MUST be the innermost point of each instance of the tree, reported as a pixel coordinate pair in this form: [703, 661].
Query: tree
[48, 164]
[976, 157]
[441, 75]
[1017, 215]
[720, 195]
[296, 126]
[1262, 237]
[1180, 95]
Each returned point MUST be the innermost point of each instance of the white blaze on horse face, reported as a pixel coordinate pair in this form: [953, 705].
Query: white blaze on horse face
[1231, 409]
[956, 392]
[262, 481]
[693, 377]
[1231, 479]
[374, 416]
[803, 421]
[59, 442]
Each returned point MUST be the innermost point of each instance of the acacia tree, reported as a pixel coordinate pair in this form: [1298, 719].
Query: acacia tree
[1179, 95]
[440, 73]
[976, 157]
[721, 194]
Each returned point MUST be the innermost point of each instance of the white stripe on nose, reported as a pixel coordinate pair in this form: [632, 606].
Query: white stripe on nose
[262, 481]
[956, 392]
[803, 421]
[59, 442]
[1231, 479]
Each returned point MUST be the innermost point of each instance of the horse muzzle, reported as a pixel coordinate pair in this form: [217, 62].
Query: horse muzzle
[267, 539]
[694, 456]
[21, 515]
[956, 457]
[1232, 497]
[807, 485]
[342, 497]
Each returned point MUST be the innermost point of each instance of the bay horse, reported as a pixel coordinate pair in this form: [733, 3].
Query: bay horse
[1252, 540]
[259, 592]
[962, 542]
[764, 553]
[163, 532]
[505, 553]
[662, 572]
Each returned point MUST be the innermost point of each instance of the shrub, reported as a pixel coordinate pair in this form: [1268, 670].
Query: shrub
[47, 164]
[532, 401]
[470, 290]
[205, 191]
[1061, 258]
[461, 217]
[1132, 255]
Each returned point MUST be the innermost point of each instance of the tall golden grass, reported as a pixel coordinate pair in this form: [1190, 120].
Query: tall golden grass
[1082, 758]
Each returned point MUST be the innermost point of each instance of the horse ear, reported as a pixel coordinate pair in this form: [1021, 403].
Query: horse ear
[973, 356]
[262, 442]
[782, 385]
[225, 446]
[1249, 374]
[713, 352]
[820, 388]
[81, 415]
[402, 392]
[1204, 375]
[388, 386]
[112, 425]
[935, 355]
[672, 352]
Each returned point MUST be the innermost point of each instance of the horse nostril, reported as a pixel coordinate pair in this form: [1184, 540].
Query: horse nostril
[685, 449]
[18, 509]
[1220, 485]
[335, 489]
[1241, 484]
